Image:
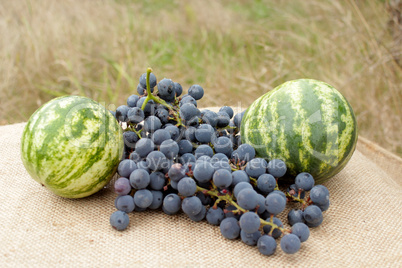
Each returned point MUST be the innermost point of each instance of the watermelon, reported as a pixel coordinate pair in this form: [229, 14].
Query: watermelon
[72, 145]
[306, 123]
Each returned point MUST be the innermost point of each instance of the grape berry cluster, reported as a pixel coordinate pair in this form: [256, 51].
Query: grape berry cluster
[180, 158]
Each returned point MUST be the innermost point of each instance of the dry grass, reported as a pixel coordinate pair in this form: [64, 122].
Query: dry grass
[237, 50]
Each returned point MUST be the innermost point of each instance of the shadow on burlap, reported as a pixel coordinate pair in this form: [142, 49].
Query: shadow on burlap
[361, 227]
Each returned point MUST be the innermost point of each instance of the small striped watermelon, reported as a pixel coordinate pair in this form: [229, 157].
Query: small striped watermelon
[306, 123]
[72, 145]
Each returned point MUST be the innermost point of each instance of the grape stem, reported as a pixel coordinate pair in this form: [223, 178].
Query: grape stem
[150, 96]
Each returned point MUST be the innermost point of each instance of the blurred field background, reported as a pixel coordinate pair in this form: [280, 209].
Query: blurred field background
[237, 50]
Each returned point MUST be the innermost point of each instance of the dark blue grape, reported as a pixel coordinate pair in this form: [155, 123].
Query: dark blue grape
[185, 146]
[261, 204]
[249, 222]
[166, 89]
[266, 245]
[152, 80]
[152, 123]
[223, 120]
[319, 194]
[121, 113]
[256, 167]
[160, 135]
[203, 171]
[210, 118]
[122, 186]
[172, 203]
[177, 172]
[125, 167]
[266, 183]
[178, 89]
[223, 145]
[174, 132]
[135, 115]
[250, 239]
[143, 198]
[189, 134]
[155, 160]
[247, 199]
[191, 205]
[301, 230]
[277, 168]
[240, 186]
[130, 139]
[139, 179]
[229, 228]
[215, 216]
[276, 233]
[188, 111]
[313, 216]
[142, 90]
[304, 181]
[169, 148]
[245, 152]
[132, 100]
[187, 157]
[199, 216]
[204, 133]
[119, 220]
[219, 157]
[196, 91]
[203, 150]
[187, 99]
[125, 203]
[157, 180]
[187, 186]
[295, 216]
[239, 176]
[227, 110]
[237, 119]
[274, 203]
[290, 243]
[144, 146]
[157, 200]
[162, 114]
[222, 178]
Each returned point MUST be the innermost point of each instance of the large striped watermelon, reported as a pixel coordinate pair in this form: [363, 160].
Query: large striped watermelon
[72, 145]
[307, 123]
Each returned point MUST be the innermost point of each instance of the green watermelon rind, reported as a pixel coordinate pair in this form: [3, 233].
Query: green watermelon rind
[72, 145]
[306, 123]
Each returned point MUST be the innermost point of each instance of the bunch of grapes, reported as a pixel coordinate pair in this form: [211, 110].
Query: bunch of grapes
[179, 158]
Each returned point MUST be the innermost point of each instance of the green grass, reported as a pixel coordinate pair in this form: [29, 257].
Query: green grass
[237, 50]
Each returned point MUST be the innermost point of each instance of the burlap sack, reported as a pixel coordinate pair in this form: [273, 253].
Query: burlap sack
[360, 229]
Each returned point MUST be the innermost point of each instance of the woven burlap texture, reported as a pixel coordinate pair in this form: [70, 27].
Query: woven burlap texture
[361, 227]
